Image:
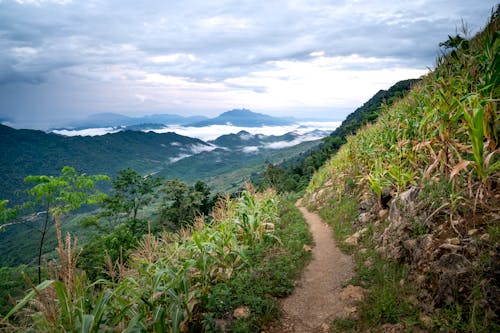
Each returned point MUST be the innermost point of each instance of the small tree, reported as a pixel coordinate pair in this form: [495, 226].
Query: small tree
[206, 200]
[62, 194]
[131, 192]
[275, 177]
[181, 202]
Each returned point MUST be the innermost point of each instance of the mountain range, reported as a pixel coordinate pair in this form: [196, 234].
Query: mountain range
[33, 152]
[117, 120]
[236, 117]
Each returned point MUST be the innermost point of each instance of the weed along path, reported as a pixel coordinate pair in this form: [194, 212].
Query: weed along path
[317, 299]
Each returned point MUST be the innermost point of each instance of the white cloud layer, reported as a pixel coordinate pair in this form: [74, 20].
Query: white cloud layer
[250, 149]
[212, 132]
[87, 131]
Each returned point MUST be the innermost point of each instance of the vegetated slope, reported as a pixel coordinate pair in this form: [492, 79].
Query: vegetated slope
[222, 169]
[299, 170]
[213, 277]
[228, 170]
[244, 140]
[30, 152]
[418, 194]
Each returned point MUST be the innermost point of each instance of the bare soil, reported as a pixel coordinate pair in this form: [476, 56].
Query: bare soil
[319, 296]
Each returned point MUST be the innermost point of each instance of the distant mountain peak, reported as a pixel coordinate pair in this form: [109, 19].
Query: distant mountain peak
[239, 113]
[244, 118]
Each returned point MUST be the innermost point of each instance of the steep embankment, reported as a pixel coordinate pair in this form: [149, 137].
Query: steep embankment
[416, 196]
[295, 172]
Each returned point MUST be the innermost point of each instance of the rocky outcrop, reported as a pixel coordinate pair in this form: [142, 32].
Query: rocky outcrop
[444, 261]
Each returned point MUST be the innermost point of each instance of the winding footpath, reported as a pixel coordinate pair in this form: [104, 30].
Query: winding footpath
[317, 300]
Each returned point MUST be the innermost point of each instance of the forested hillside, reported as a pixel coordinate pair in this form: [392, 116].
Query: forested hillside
[415, 197]
[30, 152]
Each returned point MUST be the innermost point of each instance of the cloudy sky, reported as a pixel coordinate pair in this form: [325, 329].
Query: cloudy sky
[63, 59]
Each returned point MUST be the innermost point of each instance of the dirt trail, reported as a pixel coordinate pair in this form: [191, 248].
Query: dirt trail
[316, 299]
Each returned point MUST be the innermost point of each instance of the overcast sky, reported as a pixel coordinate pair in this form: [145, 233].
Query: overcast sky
[63, 59]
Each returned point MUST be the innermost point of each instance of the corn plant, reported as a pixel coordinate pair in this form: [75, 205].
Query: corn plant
[165, 282]
[476, 129]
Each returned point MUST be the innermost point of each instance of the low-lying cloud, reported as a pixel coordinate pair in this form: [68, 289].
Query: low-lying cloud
[196, 149]
[87, 131]
[212, 132]
[250, 149]
[179, 157]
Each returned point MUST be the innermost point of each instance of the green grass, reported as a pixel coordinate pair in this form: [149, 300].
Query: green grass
[387, 294]
[386, 297]
[13, 285]
[341, 215]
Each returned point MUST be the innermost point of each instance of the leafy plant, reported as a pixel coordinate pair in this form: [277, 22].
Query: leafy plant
[62, 194]
[170, 277]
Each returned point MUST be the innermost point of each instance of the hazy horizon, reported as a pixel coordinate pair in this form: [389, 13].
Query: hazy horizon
[75, 123]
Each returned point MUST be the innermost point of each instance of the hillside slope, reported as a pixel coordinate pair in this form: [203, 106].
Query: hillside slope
[299, 170]
[31, 152]
[416, 196]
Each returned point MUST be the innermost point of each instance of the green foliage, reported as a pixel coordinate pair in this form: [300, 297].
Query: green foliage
[271, 274]
[130, 193]
[6, 213]
[33, 152]
[219, 169]
[65, 193]
[448, 123]
[170, 279]
[181, 203]
[227, 170]
[62, 194]
[387, 299]
[108, 248]
[13, 285]
[341, 215]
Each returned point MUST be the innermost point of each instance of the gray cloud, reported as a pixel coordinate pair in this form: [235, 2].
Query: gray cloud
[53, 43]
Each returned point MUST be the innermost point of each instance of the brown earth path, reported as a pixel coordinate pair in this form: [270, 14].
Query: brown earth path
[316, 299]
